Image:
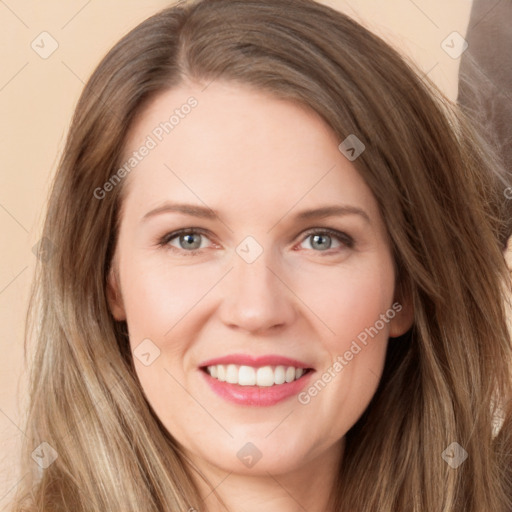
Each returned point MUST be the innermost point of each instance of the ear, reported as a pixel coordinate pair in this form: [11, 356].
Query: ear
[404, 314]
[114, 297]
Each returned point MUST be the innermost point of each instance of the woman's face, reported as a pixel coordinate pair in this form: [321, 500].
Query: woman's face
[286, 260]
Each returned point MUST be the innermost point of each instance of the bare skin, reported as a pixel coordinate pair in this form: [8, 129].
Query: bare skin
[257, 161]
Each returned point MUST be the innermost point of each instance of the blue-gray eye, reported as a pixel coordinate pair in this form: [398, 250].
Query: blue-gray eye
[322, 240]
[189, 241]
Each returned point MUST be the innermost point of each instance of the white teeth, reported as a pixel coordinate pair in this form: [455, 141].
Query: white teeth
[232, 374]
[290, 374]
[280, 375]
[265, 376]
[246, 375]
[221, 372]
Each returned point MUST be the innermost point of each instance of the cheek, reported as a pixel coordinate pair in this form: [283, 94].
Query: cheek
[157, 296]
[349, 299]
[161, 303]
[354, 354]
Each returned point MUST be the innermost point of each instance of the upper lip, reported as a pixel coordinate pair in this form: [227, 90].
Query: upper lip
[256, 361]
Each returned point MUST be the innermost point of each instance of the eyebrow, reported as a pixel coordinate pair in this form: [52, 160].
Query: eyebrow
[208, 213]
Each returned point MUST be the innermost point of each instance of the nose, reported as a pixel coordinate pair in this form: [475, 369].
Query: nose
[256, 298]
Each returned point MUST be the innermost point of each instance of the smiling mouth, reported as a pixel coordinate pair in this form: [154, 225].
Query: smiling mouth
[262, 376]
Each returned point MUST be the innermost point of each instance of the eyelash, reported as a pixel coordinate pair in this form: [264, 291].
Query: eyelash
[343, 238]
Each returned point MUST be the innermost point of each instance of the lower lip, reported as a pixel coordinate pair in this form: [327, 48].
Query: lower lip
[256, 395]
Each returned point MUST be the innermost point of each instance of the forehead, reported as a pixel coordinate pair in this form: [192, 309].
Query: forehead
[238, 147]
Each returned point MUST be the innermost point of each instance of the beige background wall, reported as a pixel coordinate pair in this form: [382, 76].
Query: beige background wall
[37, 96]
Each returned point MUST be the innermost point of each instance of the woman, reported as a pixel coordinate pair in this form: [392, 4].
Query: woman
[277, 280]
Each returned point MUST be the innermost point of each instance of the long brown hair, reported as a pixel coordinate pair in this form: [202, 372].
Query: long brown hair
[441, 195]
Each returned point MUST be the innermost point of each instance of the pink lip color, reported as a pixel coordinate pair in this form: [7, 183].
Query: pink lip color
[256, 395]
[243, 359]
